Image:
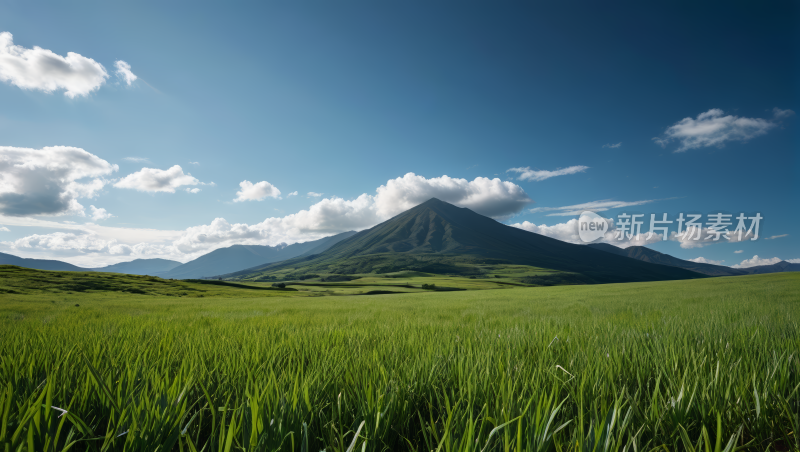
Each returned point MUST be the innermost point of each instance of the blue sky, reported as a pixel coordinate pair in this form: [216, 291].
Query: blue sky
[340, 98]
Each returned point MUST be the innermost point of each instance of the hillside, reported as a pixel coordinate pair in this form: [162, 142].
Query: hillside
[240, 257]
[654, 257]
[39, 264]
[438, 237]
[140, 267]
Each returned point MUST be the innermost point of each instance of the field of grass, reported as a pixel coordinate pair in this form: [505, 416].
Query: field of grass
[698, 365]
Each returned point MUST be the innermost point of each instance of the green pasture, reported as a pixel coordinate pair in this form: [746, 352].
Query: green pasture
[697, 365]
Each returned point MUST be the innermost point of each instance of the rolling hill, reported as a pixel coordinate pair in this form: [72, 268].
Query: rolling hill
[140, 267]
[781, 266]
[438, 237]
[654, 257]
[240, 257]
[38, 264]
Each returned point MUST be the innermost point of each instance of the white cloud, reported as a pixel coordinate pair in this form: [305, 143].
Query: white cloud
[41, 69]
[137, 159]
[568, 232]
[776, 237]
[50, 180]
[4, 229]
[738, 252]
[194, 163]
[124, 72]
[698, 237]
[256, 192]
[756, 261]
[294, 193]
[594, 206]
[156, 180]
[703, 260]
[528, 174]
[780, 114]
[714, 128]
[612, 146]
[312, 194]
[193, 190]
[100, 213]
[94, 245]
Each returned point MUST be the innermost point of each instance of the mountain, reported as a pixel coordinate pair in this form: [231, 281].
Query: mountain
[140, 267]
[438, 237]
[781, 266]
[240, 257]
[654, 257]
[39, 264]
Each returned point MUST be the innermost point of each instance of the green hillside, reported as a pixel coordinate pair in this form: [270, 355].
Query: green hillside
[437, 237]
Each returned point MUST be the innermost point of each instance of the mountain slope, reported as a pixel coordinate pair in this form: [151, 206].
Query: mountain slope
[435, 235]
[781, 266]
[140, 267]
[654, 257]
[39, 264]
[240, 257]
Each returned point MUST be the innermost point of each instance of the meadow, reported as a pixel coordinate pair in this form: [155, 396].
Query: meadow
[695, 365]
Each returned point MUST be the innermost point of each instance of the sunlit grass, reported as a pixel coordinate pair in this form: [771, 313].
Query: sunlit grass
[687, 365]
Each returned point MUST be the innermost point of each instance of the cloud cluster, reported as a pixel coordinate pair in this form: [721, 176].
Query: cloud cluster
[756, 261]
[49, 181]
[99, 213]
[703, 260]
[568, 232]
[528, 174]
[43, 70]
[256, 192]
[156, 180]
[124, 72]
[715, 128]
[491, 197]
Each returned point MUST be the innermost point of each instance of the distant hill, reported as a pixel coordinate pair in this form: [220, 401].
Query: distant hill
[438, 237]
[240, 257]
[39, 264]
[140, 267]
[654, 257]
[781, 266]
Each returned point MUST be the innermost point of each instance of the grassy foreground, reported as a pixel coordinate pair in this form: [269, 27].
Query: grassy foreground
[698, 365]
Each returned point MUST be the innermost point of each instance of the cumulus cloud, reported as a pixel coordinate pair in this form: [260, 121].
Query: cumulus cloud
[157, 180]
[193, 190]
[49, 181]
[294, 193]
[568, 232]
[703, 260]
[194, 163]
[776, 237]
[738, 252]
[41, 69]
[715, 128]
[594, 206]
[99, 213]
[528, 174]
[4, 229]
[756, 261]
[256, 192]
[613, 146]
[312, 194]
[698, 237]
[124, 72]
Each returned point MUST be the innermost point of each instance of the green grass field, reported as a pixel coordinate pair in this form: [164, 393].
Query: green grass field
[697, 365]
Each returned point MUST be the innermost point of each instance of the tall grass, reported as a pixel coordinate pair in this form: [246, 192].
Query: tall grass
[708, 365]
